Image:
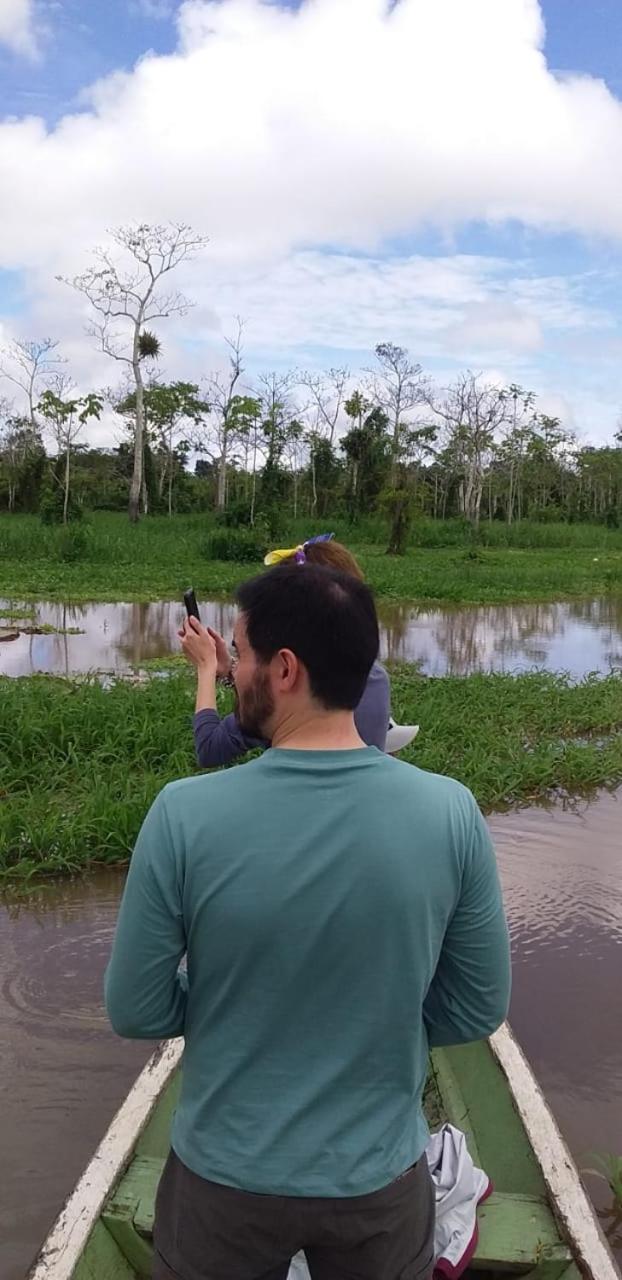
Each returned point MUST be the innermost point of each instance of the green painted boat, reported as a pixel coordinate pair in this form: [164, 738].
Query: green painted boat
[538, 1222]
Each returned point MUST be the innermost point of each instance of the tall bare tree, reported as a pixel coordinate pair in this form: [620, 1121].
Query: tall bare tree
[30, 366]
[127, 298]
[472, 411]
[328, 392]
[222, 397]
[397, 386]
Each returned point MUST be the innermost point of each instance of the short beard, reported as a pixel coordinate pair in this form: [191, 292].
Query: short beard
[255, 708]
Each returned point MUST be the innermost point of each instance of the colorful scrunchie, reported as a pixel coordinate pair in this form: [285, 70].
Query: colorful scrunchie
[276, 557]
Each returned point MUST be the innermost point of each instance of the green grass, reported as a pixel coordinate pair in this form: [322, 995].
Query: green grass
[78, 775]
[159, 558]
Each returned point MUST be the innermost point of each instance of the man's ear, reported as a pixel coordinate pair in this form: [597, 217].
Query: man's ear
[288, 670]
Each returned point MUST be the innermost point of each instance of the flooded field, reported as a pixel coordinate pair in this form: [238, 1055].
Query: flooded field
[574, 636]
[63, 1072]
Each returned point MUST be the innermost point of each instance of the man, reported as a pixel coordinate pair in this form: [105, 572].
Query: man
[340, 912]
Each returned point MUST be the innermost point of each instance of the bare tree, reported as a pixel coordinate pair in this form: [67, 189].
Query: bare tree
[472, 412]
[397, 386]
[127, 299]
[66, 415]
[221, 394]
[328, 391]
[29, 366]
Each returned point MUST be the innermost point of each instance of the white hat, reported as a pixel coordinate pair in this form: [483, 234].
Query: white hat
[399, 736]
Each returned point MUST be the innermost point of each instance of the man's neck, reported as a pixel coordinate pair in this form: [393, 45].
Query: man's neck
[317, 731]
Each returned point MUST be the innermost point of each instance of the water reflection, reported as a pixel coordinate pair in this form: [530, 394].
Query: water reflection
[575, 636]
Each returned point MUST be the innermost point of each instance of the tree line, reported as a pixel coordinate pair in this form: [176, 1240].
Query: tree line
[287, 443]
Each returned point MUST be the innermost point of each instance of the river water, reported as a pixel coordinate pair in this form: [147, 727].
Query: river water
[576, 636]
[63, 1072]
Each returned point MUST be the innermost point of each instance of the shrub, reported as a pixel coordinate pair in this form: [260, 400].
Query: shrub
[73, 543]
[243, 546]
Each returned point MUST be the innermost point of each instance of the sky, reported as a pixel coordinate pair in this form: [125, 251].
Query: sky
[440, 174]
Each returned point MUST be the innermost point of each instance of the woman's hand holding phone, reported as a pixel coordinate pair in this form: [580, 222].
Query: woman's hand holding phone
[204, 647]
[198, 645]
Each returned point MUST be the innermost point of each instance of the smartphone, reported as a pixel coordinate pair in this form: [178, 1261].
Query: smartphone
[190, 601]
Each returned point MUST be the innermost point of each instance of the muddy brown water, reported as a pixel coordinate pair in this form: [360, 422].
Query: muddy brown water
[63, 1072]
[574, 636]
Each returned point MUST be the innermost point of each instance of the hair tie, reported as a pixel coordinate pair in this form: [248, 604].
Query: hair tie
[298, 553]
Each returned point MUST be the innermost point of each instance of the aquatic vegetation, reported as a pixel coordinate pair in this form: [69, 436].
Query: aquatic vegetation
[159, 558]
[81, 761]
[607, 1166]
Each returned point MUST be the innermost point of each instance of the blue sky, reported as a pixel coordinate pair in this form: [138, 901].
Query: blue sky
[528, 270]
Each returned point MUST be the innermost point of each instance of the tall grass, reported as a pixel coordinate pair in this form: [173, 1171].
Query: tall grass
[107, 559]
[79, 765]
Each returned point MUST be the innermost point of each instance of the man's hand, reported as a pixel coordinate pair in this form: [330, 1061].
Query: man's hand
[199, 646]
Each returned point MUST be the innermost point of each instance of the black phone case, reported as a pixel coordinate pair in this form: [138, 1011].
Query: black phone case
[192, 608]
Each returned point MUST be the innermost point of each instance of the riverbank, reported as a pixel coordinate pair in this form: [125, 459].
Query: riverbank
[80, 764]
[108, 560]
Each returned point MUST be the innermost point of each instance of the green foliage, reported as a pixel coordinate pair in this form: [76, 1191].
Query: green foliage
[148, 345]
[514, 739]
[236, 516]
[242, 546]
[158, 558]
[607, 1166]
[398, 504]
[73, 543]
[78, 777]
[51, 507]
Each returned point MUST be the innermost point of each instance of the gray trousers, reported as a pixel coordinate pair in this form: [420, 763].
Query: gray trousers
[206, 1231]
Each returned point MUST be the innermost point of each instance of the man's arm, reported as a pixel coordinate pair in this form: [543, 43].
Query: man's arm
[469, 994]
[145, 994]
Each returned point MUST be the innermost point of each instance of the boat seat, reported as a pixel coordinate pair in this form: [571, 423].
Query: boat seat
[517, 1233]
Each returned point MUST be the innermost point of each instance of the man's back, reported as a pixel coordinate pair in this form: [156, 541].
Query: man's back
[316, 893]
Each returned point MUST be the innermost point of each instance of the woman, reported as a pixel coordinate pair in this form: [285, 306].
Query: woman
[220, 741]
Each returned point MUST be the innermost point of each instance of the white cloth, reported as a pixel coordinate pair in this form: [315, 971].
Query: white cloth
[459, 1187]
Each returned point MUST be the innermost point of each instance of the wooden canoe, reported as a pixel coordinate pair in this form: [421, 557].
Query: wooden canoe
[538, 1222]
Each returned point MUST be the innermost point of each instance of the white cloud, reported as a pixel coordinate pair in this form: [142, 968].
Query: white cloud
[287, 135]
[339, 123]
[17, 26]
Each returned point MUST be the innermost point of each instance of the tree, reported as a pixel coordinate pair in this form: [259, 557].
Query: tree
[472, 412]
[277, 411]
[29, 366]
[66, 417]
[367, 448]
[327, 395]
[294, 446]
[245, 413]
[171, 411]
[221, 393]
[127, 299]
[397, 386]
[516, 442]
[325, 470]
[22, 456]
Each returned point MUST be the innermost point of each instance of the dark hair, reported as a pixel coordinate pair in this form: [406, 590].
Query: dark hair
[327, 618]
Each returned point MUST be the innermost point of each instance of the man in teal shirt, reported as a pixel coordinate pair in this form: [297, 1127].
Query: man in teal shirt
[340, 913]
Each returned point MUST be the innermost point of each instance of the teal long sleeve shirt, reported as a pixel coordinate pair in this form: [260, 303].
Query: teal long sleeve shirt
[340, 913]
